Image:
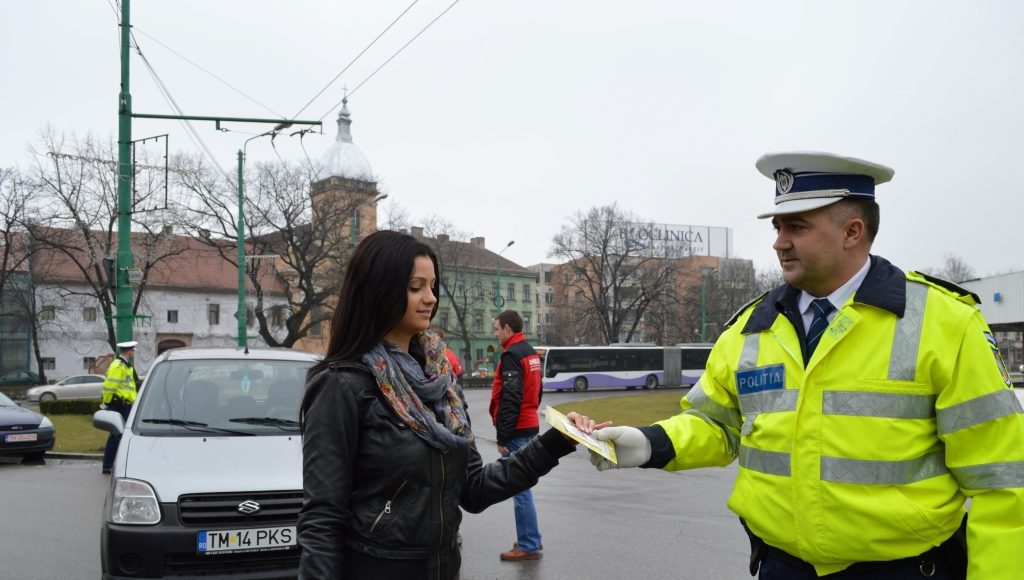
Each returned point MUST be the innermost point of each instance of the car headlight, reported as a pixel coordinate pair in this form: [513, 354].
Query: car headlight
[134, 502]
[46, 422]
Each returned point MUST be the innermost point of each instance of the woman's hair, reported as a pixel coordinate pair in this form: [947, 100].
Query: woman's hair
[374, 294]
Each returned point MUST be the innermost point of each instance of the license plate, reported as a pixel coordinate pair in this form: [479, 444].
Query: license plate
[12, 437]
[245, 540]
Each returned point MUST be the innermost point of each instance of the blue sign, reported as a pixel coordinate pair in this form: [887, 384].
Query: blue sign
[761, 379]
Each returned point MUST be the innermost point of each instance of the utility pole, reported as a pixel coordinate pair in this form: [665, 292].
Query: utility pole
[126, 175]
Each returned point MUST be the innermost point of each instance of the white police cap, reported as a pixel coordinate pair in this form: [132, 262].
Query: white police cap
[809, 180]
[127, 345]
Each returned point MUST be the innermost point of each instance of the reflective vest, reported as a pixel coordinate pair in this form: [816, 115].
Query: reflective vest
[870, 451]
[120, 381]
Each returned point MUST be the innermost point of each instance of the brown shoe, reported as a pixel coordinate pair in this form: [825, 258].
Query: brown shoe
[516, 554]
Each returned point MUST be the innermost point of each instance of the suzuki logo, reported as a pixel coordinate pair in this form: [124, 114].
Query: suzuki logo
[248, 507]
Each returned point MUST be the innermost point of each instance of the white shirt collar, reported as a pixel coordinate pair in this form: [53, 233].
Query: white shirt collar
[838, 298]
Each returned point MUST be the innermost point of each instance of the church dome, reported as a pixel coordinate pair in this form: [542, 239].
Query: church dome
[343, 158]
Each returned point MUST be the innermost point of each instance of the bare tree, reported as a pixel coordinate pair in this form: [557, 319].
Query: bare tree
[461, 278]
[954, 268]
[74, 187]
[616, 276]
[309, 251]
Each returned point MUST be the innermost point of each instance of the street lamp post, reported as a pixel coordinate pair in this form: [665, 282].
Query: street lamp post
[242, 314]
[354, 226]
[704, 273]
[498, 300]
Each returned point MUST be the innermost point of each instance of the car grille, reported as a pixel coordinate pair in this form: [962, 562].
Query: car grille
[281, 564]
[221, 509]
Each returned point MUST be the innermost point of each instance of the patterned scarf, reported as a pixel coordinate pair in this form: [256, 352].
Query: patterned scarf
[424, 397]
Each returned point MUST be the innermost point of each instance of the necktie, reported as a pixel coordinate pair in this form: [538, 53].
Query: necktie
[821, 308]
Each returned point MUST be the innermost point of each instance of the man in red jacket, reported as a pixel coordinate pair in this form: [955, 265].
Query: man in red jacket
[514, 400]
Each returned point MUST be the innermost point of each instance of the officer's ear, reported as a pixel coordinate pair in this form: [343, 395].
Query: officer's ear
[855, 232]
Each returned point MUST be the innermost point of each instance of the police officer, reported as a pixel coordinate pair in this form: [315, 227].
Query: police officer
[119, 390]
[865, 404]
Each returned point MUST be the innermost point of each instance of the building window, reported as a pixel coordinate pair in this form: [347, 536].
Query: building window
[549, 318]
[250, 315]
[444, 320]
[478, 289]
[549, 298]
[495, 290]
[460, 289]
[510, 294]
[277, 315]
[314, 322]
[89, 314]
[526, 292]
[48, 313]
[479, 354]
[526, 323]
[547, 277]
[213, 314]
[49, 363]
[478, 322]
[87, 362]
[172, 316]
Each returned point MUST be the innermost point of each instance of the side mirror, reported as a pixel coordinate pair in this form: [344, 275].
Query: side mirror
[109, 421]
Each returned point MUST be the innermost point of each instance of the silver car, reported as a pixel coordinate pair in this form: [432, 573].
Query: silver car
[73, 387]
[208, 476]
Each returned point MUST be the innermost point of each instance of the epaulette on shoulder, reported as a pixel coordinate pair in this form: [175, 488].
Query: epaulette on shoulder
[959, 292]
[743, 309]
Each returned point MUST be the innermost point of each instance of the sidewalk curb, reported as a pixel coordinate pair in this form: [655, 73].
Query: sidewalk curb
[61, 455]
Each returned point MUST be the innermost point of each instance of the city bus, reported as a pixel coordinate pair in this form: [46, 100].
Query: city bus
[584, 367]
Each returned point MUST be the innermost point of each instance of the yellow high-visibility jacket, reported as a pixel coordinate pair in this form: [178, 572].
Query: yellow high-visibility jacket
[869, 452]
[119, 382]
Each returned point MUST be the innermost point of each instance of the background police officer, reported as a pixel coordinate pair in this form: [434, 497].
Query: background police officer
[864, 404]
[119, 391]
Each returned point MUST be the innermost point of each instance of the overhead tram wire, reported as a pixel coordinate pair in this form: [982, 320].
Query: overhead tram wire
[353, 61]
[191, 130]
[214, 75]
[392, 57]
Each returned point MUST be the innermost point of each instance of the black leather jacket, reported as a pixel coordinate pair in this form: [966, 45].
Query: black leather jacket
[374, 488]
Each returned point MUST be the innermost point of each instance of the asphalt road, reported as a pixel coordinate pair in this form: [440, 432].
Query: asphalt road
[616, 524]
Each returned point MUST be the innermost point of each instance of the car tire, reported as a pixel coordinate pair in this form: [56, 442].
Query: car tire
[38, 456]
[579, 384]
[651, 382]
[47, 397]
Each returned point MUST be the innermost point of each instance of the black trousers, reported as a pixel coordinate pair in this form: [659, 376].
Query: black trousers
[110, 451]
[947, 561]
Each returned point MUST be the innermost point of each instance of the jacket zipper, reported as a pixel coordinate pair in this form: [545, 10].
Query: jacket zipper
[387, 506]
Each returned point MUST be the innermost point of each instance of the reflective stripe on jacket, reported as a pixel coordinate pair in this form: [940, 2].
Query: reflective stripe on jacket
[119, 382]
[870, 452]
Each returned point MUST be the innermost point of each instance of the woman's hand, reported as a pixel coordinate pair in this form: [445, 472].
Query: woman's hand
[584, 423]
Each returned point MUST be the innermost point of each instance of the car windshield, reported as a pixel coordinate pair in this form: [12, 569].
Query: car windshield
[197, 397]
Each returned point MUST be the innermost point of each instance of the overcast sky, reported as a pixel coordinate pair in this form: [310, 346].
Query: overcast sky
[509, 116]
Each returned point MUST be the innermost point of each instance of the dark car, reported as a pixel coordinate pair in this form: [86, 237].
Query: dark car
[24, 432]
[18, 378]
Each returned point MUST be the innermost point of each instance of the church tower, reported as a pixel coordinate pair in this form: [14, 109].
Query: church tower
[345, 190]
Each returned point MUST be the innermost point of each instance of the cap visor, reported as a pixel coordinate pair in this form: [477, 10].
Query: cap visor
[799, 206]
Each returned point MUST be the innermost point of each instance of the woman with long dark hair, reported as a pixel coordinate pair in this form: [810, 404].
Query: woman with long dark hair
[388, 453]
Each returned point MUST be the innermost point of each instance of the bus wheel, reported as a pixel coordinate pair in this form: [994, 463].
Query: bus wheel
[651, 382]
[579, 384]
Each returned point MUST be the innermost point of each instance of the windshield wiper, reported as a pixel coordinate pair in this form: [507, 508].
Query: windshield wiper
[192, 425]
[284, 424]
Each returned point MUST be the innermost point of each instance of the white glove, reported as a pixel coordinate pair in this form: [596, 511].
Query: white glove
[103, 406]
[632, 448]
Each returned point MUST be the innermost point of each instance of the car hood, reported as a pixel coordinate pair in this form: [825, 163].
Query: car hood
[19, 416]
[176, 466]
